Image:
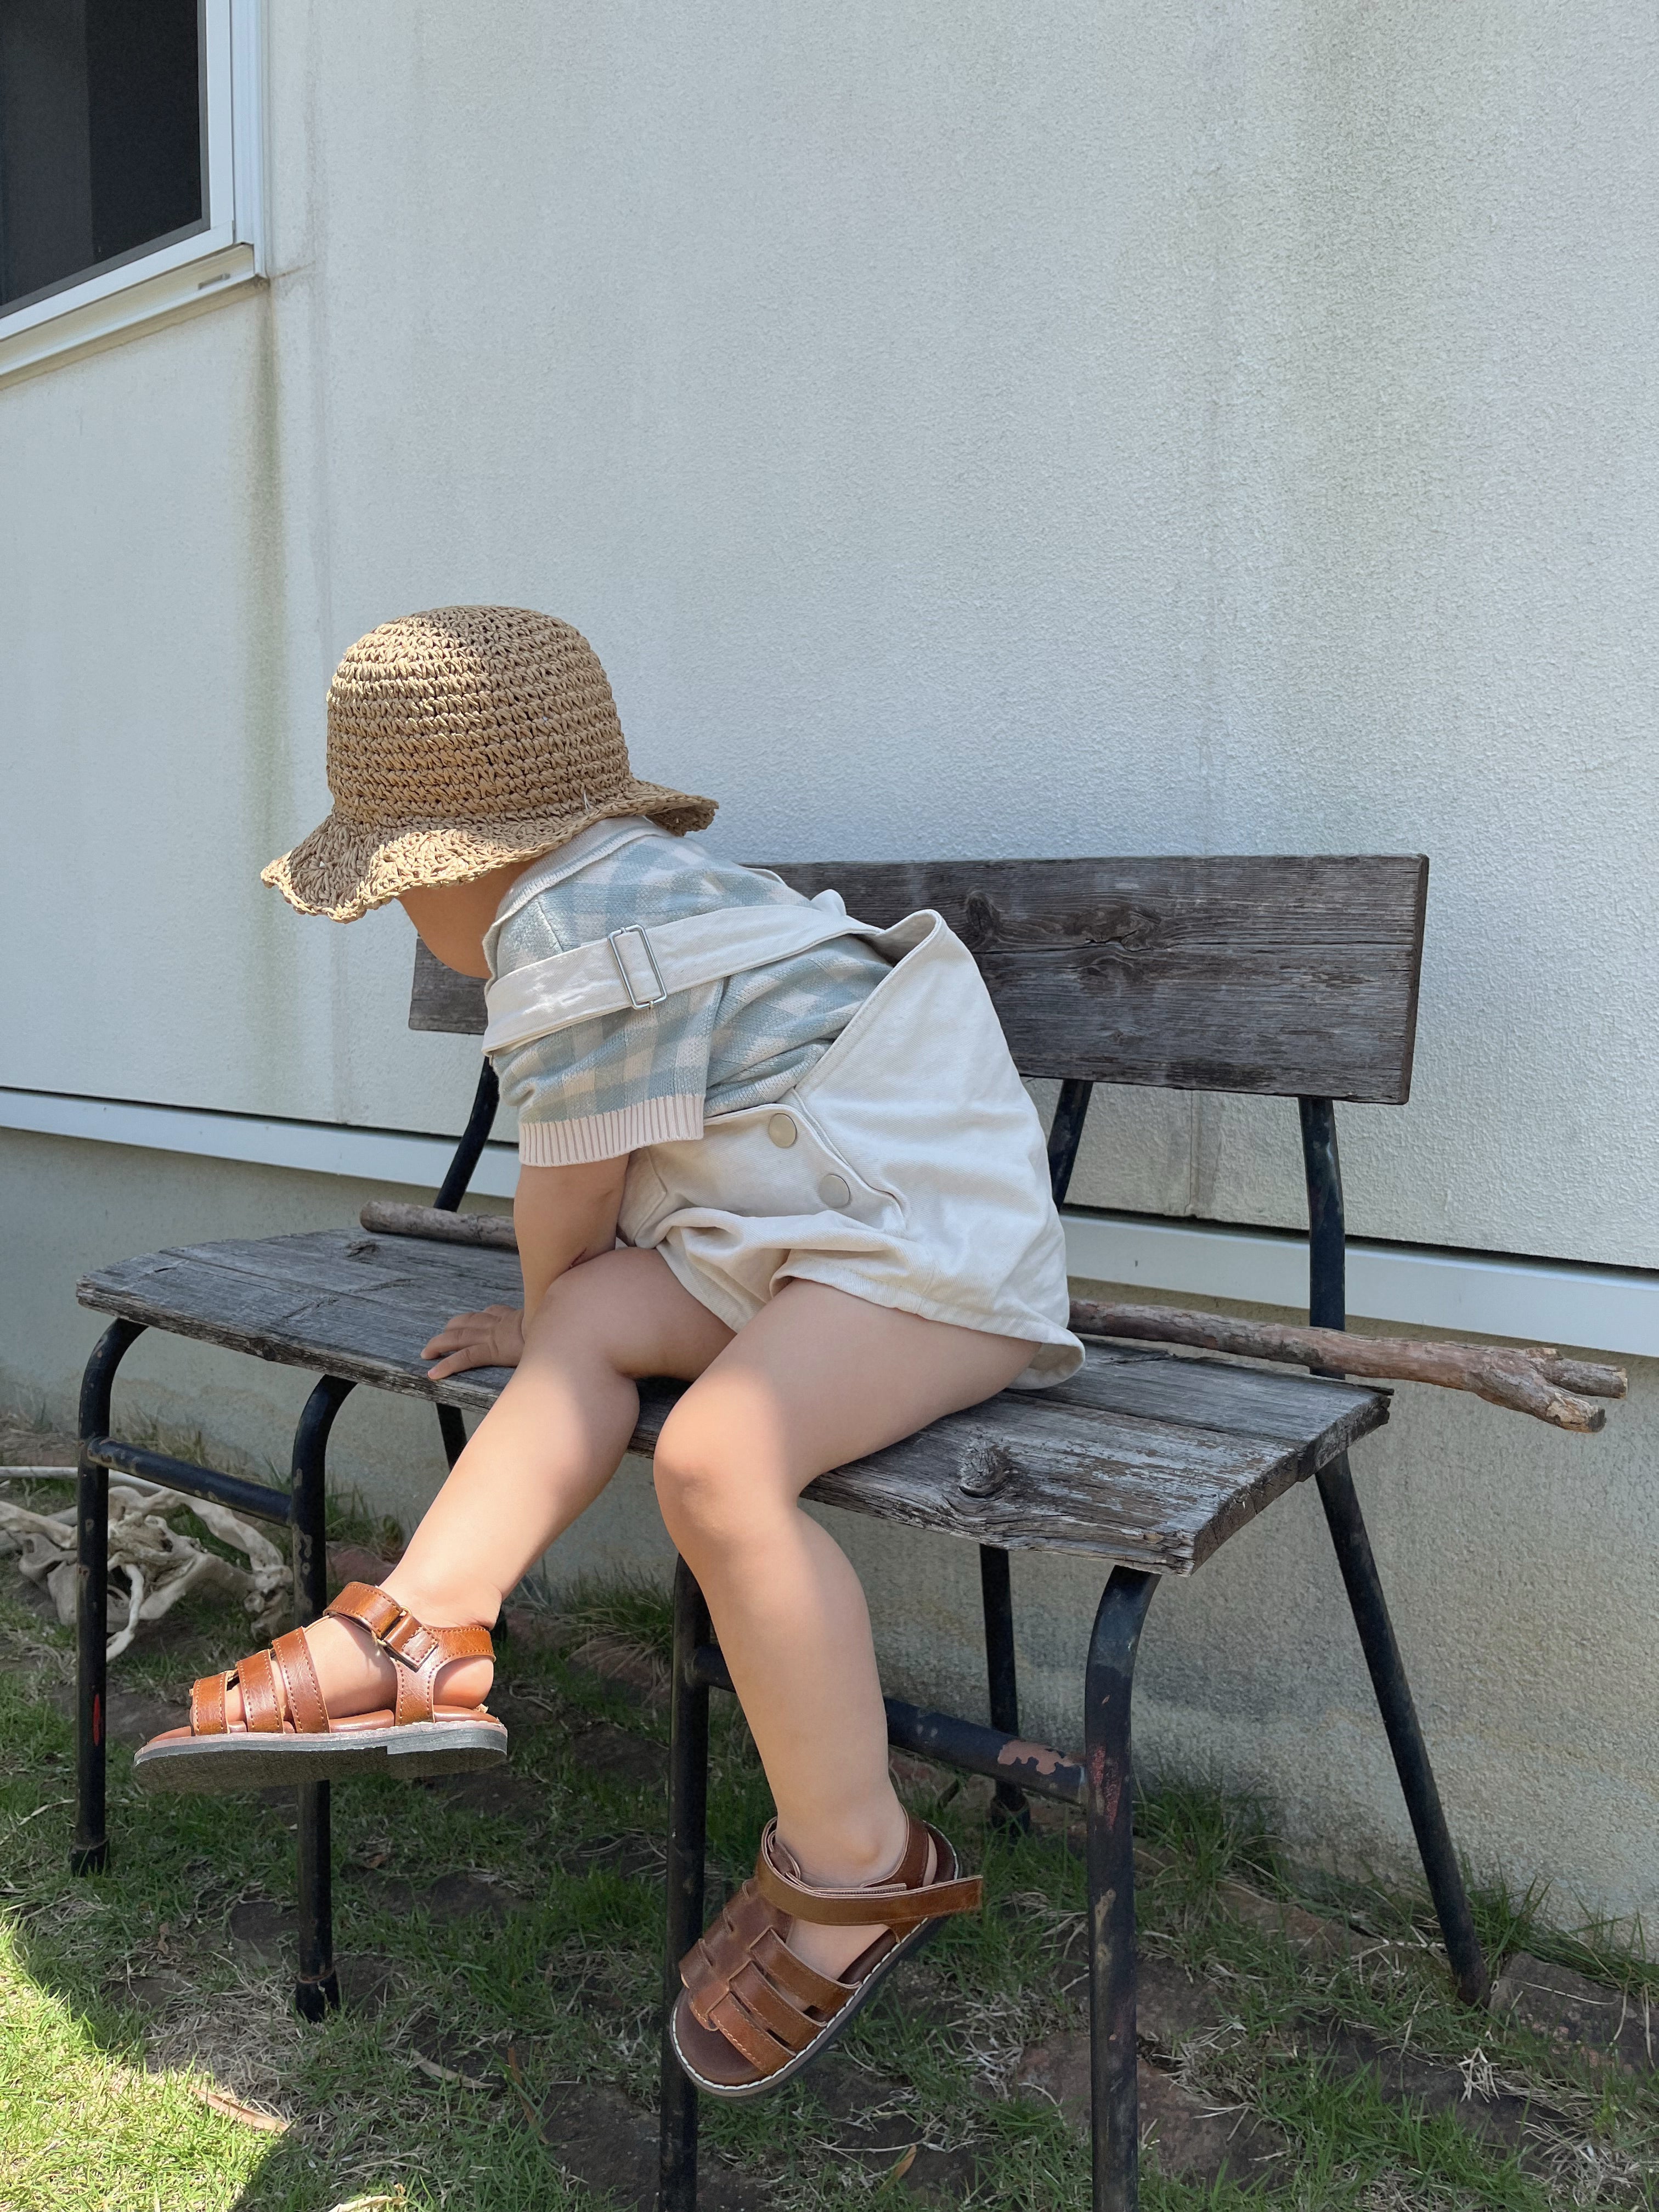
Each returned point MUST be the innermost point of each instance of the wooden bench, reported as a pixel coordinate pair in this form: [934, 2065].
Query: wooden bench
[1293, 977]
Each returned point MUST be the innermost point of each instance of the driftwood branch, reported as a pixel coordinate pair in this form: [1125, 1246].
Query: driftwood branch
[162, 1563]
[1535, 1381]
[391, 1219]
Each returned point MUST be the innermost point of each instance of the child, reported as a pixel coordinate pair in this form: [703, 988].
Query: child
[764, 1148]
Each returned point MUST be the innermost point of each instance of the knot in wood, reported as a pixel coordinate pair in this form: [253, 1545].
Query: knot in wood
[981, 923]
[1127, 928]
[983, 1467]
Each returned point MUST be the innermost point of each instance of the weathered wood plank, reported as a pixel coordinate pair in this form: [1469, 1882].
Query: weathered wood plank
[1205, 1393]
[360, 1307]
[1142, 1458]
[1281, 975]
[1026, 1476]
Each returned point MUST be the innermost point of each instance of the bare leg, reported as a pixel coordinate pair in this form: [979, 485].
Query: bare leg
[817, 1379]
[540, 1456]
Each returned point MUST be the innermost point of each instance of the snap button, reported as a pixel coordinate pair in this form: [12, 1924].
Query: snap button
[782, 1130]
[835, 1194]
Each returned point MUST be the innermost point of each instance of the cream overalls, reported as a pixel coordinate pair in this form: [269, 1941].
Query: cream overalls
[907, 1165]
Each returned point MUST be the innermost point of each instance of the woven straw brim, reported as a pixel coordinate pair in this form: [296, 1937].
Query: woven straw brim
[345, 868]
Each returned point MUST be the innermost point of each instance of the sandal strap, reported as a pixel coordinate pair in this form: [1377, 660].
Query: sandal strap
[742, 2025]
[207, 1704]
[279, 1684]
[405, 1639]
[418, 1650]
[803, 1984]
[901, 1903]
[761, 2002]
[742, 1981]
[747, 1932]
[262, 1694]
[307, 1707]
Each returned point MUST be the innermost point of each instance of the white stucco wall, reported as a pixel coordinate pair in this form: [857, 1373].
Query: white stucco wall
[962, 429]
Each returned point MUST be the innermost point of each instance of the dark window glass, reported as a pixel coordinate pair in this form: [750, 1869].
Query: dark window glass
[101, 135]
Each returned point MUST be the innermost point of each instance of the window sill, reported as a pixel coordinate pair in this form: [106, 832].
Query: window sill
[121, 312]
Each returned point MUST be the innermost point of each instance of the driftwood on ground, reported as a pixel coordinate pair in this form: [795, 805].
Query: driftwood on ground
[160, 1564]
[1535, 1380]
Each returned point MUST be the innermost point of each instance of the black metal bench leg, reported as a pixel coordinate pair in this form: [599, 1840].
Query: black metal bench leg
[317, 1984]
[453, 1430]
[90, 1853]
[1009, 1807]
[1410, 1757]
[316, 1989]
[1327, 1309]
[688, 1820]
[1110, 1680]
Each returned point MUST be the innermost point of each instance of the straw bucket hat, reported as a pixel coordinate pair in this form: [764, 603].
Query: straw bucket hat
[459, 741]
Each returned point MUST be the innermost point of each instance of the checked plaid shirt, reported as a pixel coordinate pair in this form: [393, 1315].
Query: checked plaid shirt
[652, 1074]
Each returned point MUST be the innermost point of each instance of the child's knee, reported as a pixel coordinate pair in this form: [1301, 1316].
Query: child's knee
[708, 1492]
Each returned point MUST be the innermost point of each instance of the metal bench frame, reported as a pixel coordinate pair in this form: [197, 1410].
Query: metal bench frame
[300, 1510]
[1164, 933]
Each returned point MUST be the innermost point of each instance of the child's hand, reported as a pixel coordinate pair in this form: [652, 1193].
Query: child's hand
[494, 1338]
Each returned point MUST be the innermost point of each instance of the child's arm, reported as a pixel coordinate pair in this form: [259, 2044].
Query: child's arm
[563, 1216]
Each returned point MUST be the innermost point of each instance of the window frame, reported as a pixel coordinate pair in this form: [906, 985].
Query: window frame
[227, 254]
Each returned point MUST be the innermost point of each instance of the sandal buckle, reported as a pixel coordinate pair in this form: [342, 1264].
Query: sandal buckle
[405, 1639]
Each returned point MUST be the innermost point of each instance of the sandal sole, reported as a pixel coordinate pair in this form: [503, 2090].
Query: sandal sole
[259, 1762]
[906, 1948]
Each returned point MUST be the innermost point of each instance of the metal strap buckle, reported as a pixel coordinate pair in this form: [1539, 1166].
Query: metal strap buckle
[632, 929]
[405, 1639]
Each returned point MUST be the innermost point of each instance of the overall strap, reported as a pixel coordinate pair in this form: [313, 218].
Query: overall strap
[640, 967]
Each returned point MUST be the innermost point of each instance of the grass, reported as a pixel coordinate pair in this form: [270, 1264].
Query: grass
[124, 1998]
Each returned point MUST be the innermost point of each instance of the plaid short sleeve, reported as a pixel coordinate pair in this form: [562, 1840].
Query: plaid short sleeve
[652, 1074]
[605, 1087]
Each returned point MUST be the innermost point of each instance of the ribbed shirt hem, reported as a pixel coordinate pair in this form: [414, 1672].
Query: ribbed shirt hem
[608, 1136]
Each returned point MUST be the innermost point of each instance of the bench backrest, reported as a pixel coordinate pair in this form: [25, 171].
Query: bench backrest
[1293, 977]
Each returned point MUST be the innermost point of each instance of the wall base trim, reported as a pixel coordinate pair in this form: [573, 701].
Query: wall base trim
[1462, 1293]
[330, 1148]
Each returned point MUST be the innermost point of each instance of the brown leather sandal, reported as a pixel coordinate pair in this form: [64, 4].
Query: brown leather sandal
[285, 1735]
[751, 2013]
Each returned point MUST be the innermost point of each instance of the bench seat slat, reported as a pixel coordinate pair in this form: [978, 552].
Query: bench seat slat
[1202, 1393]
[353, 1306]
[1142, 1457]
